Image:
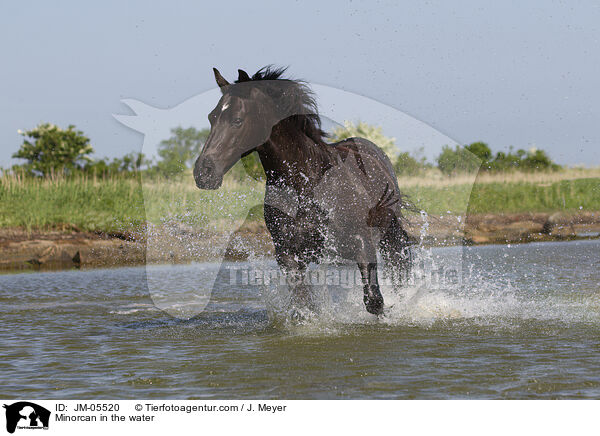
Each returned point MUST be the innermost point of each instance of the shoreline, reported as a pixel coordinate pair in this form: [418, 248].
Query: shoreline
[56, 250]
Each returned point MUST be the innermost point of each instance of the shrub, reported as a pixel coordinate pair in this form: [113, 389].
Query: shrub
[367, 131]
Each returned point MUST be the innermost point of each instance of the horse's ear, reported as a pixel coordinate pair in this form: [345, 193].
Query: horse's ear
[243, 76]
[220, 79]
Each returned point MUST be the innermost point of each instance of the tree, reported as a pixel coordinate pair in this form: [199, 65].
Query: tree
[405, 163]
[506, 161]
[131, 163]
[481, 150]
[532, 160]
[253, 167]
[367, 131]
[51, 149]
[457, 160]
[468, 158]
[179, 151]
[410, 164]
[538, 160]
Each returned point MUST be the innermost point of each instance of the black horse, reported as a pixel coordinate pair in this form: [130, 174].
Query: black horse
[321, 199]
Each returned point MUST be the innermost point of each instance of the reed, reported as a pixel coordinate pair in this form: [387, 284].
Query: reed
[117, 203]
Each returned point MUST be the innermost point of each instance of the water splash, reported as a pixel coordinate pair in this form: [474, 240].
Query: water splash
[491, 295]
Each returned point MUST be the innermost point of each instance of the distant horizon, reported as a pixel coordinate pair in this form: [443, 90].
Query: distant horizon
[525, 75]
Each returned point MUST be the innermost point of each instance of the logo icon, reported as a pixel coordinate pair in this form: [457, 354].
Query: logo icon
[26, 415]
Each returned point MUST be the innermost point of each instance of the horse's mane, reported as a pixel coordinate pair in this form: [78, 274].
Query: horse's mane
[294, 98]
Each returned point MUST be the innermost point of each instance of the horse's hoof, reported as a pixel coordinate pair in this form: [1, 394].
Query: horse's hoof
[374, 305]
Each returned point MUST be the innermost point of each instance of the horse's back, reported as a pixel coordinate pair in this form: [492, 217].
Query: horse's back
[375, 163]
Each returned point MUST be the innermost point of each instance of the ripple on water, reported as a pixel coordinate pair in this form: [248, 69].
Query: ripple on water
[524, 325]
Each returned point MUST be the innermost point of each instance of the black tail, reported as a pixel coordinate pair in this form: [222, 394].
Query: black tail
[397, 253]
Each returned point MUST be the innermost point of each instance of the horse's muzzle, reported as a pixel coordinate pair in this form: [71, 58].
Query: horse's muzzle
[206, 175]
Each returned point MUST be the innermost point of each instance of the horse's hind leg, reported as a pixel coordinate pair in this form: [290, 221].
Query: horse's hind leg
[396, 251]
[372, 295]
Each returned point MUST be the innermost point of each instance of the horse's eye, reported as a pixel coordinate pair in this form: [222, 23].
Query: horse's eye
[237, 122]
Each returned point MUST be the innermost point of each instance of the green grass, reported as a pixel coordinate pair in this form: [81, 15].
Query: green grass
[83, 202]
[518, 197]
[565, 195]
[118, 203]
[122, 203]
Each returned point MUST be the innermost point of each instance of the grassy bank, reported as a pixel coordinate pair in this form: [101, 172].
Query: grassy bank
[117, 203]
[121, 203]
[517, 197]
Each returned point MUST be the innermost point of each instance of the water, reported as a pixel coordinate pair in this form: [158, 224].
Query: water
[525, 324]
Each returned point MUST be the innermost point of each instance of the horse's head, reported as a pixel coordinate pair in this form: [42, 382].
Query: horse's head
[241, 121]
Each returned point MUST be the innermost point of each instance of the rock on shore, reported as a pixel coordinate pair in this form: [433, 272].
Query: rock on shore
[47, 250]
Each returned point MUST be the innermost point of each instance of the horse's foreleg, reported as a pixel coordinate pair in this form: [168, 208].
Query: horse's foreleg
[372, 295]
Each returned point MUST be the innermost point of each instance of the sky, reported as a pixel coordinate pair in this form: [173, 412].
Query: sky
[522, 74]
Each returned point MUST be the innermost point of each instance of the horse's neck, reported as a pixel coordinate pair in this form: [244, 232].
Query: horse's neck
[292, 159]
